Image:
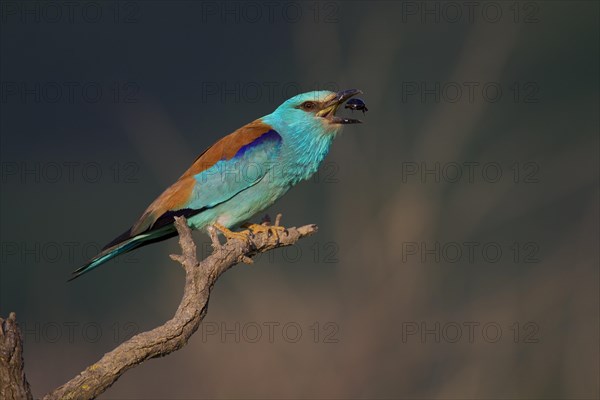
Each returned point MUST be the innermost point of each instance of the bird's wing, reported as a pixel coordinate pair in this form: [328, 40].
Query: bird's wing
[233, 164]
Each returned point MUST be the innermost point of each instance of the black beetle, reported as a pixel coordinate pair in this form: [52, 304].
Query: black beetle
[356, 104]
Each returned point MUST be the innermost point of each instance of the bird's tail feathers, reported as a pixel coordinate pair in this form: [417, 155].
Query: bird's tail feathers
[124, 246]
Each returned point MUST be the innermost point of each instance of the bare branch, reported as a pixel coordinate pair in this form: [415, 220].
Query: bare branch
[13, 384]
[200, 277]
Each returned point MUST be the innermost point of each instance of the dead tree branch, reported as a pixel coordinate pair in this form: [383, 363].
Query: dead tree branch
[200, 278]
[13, 384]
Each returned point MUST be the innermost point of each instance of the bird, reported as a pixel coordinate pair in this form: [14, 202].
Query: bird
[241, 174]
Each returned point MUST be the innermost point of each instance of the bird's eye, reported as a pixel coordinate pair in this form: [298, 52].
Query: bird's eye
[308, 106]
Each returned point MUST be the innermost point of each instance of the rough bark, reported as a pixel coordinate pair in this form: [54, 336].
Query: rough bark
[13, 384]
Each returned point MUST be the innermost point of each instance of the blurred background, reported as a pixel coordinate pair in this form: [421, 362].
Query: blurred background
[457, 254]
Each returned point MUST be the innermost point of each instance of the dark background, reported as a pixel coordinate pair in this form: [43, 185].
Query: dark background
[104, 104]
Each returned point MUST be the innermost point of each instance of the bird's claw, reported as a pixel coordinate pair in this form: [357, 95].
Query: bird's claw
[229, 234]
[269, 230]
[265, 227]
[252, 229]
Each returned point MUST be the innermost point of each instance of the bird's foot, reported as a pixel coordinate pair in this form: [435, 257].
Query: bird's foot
[265, 227]
[229, 234]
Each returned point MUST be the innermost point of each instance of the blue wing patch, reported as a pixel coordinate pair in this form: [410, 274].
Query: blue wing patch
[227, 178]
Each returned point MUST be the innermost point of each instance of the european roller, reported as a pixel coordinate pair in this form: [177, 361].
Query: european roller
[241, 174]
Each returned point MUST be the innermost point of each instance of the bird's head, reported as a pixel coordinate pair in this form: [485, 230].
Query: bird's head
[313, 112]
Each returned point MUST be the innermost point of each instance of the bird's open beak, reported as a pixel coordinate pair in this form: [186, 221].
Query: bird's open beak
[332, 104]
